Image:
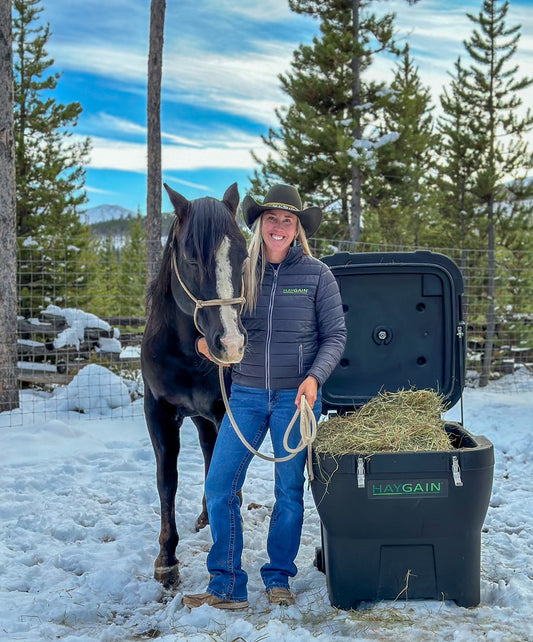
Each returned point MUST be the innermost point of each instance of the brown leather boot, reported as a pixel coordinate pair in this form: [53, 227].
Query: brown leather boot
[193, 601]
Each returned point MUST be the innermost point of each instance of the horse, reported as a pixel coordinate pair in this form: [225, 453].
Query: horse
[198, 291]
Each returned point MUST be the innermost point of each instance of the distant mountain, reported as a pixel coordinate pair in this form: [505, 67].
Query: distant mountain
[106, 213]
[115, 221]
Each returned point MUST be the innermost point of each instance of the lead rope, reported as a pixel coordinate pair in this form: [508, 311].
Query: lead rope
[307, 430]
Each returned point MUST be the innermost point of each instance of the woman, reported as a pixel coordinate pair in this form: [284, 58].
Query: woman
[296, 336]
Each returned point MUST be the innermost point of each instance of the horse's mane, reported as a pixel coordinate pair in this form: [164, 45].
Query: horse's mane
[206, 224]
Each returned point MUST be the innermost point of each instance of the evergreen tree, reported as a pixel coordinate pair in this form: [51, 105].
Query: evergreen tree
[49, 164]
[132, 274]
[105, 282]
[401, 201]
[326, 134]
[460, 138]
[49, 171]
[53, 270]
[503, 153]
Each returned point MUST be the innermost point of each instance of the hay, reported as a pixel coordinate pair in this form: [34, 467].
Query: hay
[407, 420]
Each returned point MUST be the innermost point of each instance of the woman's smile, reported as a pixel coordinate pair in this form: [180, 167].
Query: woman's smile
[279, 229]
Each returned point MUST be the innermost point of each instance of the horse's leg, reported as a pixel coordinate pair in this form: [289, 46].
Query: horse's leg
[164, 433]
[207, 435]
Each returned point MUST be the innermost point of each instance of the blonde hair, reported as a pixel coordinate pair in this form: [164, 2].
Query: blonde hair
[254, 270]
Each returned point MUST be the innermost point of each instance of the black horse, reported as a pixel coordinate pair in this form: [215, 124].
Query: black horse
[198, 292]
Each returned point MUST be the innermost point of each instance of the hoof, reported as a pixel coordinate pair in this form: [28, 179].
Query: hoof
[201, 522]
[168, 576]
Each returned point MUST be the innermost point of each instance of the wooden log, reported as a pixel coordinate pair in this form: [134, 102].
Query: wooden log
[93, 334]
[43, 377]
[57, 321]
[25, 326]
[31, 349]
[125, 321]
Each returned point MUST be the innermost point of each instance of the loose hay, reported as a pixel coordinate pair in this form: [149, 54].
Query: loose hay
[407, 420]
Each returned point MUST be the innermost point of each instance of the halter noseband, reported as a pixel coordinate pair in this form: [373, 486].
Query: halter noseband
[199, 303]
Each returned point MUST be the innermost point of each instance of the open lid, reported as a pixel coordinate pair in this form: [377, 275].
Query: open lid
[403, 314]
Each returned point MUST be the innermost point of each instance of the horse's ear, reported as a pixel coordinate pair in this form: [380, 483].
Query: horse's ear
[179, 202]
[231, 198]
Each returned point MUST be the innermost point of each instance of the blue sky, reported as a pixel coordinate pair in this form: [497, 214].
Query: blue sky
[221, 64]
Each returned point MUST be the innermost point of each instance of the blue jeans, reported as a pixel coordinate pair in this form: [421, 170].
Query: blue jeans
[255, 411]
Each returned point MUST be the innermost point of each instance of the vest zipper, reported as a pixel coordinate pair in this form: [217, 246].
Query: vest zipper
[269, 328]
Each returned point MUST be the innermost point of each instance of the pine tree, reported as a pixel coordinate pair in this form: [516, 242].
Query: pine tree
[49, 171]
[49, 164]
[401, 201]
[105, 281]
[458, 149]
[325, 137]
[494, 88]
[132, 273]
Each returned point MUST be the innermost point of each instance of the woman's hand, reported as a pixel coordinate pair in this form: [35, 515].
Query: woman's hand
[202, 348]
[309, 388]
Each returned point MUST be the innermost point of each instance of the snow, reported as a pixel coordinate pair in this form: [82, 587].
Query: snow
[106, 344]
[79, 526]
[77, 321]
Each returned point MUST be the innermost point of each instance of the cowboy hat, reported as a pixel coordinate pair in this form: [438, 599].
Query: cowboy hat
[283, 197]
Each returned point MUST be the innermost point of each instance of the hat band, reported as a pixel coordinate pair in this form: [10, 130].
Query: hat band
[281, 206]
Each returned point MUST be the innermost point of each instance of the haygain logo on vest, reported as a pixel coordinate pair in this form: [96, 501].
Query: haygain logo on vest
[295, 291]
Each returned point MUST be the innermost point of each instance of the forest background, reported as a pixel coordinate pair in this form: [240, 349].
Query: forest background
[390, 170]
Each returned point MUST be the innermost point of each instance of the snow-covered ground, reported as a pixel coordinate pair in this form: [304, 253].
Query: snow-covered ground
[79, 525]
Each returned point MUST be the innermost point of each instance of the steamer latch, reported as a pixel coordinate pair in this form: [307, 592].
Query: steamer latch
[360, 472]
[456, 471]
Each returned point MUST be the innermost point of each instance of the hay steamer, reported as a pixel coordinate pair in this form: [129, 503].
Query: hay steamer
[401, 525]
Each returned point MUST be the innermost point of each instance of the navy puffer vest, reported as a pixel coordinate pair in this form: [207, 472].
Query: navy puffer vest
[298, 326]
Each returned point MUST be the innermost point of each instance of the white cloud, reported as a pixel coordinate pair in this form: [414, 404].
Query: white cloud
[199, 186]
[96, 190]
[102, 59]
[244, 85]
[128, 156]
[271, 11]
[436, 38]
[224, 60]
[241, 83]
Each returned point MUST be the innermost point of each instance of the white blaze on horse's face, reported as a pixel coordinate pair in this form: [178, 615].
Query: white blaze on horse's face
[232, 339]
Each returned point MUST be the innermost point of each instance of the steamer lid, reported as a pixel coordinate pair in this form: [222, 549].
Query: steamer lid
[403, 314]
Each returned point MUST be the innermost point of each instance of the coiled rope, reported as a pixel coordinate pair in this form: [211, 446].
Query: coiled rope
[307, 430]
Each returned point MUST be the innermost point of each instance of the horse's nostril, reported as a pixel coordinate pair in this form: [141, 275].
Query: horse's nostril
[233, 345]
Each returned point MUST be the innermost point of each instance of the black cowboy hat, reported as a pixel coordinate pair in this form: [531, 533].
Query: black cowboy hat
[283, 197]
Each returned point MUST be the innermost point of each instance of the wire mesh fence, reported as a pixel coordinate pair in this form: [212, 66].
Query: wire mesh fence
[81, 320]
[513, 303]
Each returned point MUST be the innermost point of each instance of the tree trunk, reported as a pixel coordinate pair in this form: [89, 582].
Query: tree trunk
[153, 193]
[491, 291]
[355, 222]
[8, 218]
